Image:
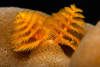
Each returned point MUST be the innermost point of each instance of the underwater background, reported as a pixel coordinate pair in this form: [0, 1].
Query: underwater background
[90, 7]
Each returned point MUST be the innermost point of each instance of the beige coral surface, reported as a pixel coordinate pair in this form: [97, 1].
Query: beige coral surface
[8, 58]
[43, 56]
[88, 52]
[48, 54]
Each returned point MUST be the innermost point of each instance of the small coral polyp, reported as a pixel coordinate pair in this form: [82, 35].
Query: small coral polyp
[28, 30]
[64, 26]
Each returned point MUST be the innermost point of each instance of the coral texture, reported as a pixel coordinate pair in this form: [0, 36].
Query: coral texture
[87, 53]
[48, 54]
[8, 58]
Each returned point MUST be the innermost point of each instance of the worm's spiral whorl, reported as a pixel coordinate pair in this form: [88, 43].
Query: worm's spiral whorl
[28, 30]
[64, 26]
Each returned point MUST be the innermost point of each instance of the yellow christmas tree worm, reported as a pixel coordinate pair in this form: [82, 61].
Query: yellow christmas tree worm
[64, 26]
[28, 30]
[32, 27]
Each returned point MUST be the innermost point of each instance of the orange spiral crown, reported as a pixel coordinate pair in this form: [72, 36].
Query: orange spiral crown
[28, 30]
[31, 28]
[64, 26]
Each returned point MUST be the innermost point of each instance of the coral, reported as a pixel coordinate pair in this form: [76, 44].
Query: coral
[87, 53]
[28, 30]
[48, 54]
[9, 58]
[64, 26]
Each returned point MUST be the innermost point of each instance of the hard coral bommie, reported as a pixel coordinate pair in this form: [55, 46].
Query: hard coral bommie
[32, 27]
[28, 30]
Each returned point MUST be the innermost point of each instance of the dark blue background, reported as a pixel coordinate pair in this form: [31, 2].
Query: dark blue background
[91, 8]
